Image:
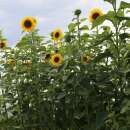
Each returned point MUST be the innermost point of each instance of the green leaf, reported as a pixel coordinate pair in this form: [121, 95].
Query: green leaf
[125, 106]
[21, 44]
[85, 27]
[100, 117]
[71, 27]
[127, 23]
[101, 56]
[61, 95]
[123, 128]
[85, 36]
[83, 19]
[98, 21]
[124, 35]
[110, 1]
[78, 116]
[124, 5]
[123, 18]
[128, 91]
[111, 16]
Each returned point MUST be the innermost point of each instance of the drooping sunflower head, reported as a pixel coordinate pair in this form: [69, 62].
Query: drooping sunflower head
[95, 13]
[28, 24]
[56, 59]
[85, 59]
[3, 44]
[57, 34]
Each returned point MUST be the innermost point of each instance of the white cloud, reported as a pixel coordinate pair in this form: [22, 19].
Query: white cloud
[50, 14]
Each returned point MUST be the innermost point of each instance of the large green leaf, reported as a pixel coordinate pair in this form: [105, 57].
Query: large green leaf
[71, 27]
[100, 118]
[124, 5]
[98, 21]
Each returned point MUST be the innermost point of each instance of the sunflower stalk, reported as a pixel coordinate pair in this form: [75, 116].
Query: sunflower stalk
[78, 31]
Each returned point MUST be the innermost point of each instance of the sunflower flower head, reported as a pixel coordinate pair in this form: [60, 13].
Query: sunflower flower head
[57, 35]
[11, 61]
[34, 19]
[28, 24]
[56, 60]
[85, 59]
[95, 13]
[27, 62]
[3, 44]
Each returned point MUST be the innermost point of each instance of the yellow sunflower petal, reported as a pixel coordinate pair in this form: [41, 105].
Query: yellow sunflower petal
[94, 13]
[85, 59]
[57, 35]
[56, 60]
[28, 24]
[11, 61]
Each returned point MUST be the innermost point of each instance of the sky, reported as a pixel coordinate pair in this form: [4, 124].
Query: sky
[50, 14]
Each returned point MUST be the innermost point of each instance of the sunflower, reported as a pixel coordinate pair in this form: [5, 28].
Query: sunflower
[27, 62]
[46, 58]
[28, 23]
[85, 59]
[35, 21]
[57, 35]
[95, 13]
[3, 44]
[56, 59]
[11, 61]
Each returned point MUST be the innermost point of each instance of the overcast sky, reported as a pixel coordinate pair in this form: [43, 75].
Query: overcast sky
[49, 13]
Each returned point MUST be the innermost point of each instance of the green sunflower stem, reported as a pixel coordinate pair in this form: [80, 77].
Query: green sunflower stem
[32, 38]
[78, 31]
[6, 113]
[97, 30]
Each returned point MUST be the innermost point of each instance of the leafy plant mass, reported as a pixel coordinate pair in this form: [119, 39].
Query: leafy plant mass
[77, 80]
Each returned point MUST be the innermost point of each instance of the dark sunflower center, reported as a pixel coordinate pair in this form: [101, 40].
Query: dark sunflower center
[57, 34]
[12, 61]
[56, 59]
[27, 23]
[2, 45]
[95, 15]
[85, 59]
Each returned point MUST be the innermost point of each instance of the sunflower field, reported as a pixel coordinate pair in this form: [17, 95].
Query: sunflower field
[76, 80]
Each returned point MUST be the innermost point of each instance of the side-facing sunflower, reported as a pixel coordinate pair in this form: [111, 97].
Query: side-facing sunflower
[85, 59]
[95, 13]
[56, 59]
[27, 62]
[3, 44]
[28, 24]
[11, 61]
[57, 34]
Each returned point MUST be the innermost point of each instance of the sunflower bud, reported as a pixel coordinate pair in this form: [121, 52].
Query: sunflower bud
[77, 12]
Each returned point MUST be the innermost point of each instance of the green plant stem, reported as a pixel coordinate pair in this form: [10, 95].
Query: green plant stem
[97, 30]
[32, 38]
[78, 31]
[6, 112]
